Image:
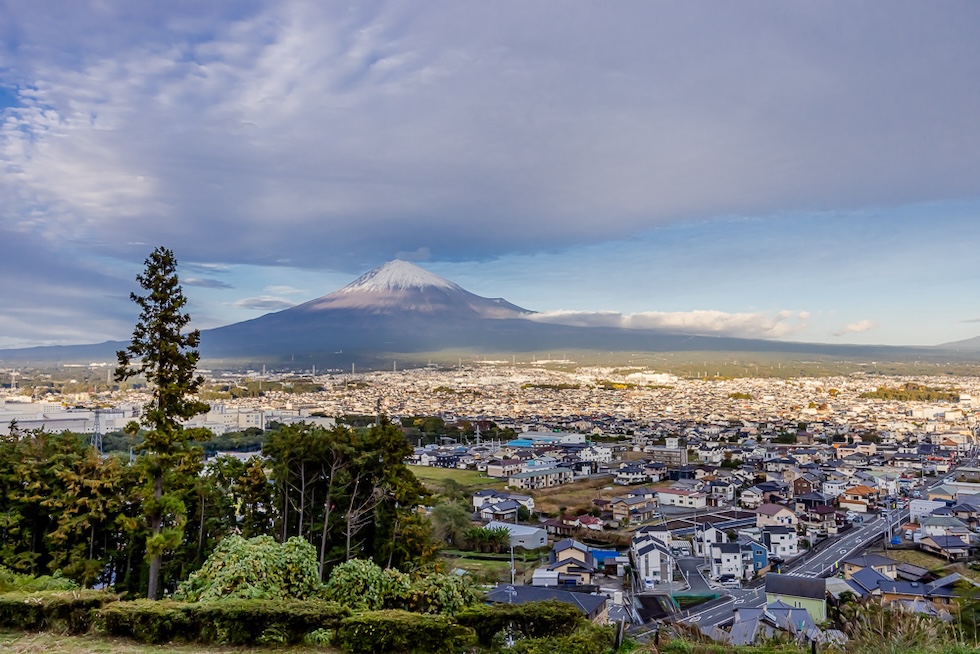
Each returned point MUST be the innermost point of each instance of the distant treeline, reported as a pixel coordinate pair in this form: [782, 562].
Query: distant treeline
[913, 392]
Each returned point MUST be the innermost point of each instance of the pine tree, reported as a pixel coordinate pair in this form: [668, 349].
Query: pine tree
[167, 358]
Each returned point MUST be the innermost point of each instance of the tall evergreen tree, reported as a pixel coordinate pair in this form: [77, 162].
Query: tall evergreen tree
[167, 358]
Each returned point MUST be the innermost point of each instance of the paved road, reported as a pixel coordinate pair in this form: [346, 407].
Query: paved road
[690, 565]
[819, 564]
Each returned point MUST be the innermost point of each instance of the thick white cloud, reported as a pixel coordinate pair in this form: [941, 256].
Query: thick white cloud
[706, 323]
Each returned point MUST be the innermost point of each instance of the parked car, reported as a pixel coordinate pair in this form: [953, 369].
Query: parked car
[729, 581]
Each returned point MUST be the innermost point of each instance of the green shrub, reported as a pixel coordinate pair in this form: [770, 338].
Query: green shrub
[678, 647]
[68, 612]
[531, 620]
[255, 568]
[320, 637]
[226, 622]
[593, 640]
[247, 622]
[379, 632]
[11, 581]
[150, 621]
[365, 586]
[442, 593]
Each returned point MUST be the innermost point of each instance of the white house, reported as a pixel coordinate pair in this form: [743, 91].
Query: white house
[782, 542]
[833, 487]
[751, 497]
[597, 453]
[685, 498]
[704, 537]
[529, 538]
[651, 556]
[726, 559]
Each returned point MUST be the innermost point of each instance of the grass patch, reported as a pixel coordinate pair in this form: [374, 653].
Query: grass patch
[48, 643]
[491, 568]
[467, 480]
[578, 495]
[916, 557]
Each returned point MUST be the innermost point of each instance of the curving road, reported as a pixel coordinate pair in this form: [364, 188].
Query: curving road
[821, 563]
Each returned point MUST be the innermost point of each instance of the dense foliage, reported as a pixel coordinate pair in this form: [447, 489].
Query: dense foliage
[257, 568]
[11, 582]
[61, 611]
[363, 585]
[350, 494]
[232, 622]
[400, 631]
[65, 509]
[533, 620]
[912, 392]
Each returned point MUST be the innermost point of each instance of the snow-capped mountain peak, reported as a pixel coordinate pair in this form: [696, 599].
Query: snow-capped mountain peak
[398, 275]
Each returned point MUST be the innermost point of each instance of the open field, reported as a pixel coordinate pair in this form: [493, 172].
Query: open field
[916, 557]
[48, 643]
[468, 480]
[490, 568]
[577, 495]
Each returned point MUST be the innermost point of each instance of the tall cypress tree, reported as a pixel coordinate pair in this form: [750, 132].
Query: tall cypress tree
[167, 358]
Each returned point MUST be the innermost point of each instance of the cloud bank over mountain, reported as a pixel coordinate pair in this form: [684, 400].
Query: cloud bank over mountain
[704, 323]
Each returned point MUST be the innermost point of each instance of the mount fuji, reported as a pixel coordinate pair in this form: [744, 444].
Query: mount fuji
[400, 286]
[402, 308]
[397, 307]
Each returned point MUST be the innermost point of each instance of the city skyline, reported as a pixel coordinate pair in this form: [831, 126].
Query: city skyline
[806, 172]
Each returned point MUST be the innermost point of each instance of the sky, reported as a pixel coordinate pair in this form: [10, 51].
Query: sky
[804, 171]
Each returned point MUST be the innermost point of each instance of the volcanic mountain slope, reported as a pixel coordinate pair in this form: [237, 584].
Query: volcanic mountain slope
[395, 307]
[399, 287]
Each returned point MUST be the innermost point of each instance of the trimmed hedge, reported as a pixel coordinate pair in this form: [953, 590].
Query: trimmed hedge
[593, 641]
[531, 620]
[227, 622]
[401, 631]
[244, 622]
[68, 611]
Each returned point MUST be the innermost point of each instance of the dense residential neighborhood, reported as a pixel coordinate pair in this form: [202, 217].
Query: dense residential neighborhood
[673, 487]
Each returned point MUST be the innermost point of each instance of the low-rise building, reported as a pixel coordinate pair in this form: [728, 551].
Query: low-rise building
[798, 592]
[540, 478]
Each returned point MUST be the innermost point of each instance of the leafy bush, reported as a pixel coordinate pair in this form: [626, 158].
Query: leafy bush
[442, 593]
[378, 632]
[363, 585]
[11, 581]
[531, 620]
[255, 568]
[70, 612]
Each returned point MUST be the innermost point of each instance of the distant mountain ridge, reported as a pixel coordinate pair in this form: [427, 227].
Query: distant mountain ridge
[400, 307]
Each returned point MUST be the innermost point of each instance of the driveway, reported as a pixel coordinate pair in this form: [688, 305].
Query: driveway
[699, 585]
